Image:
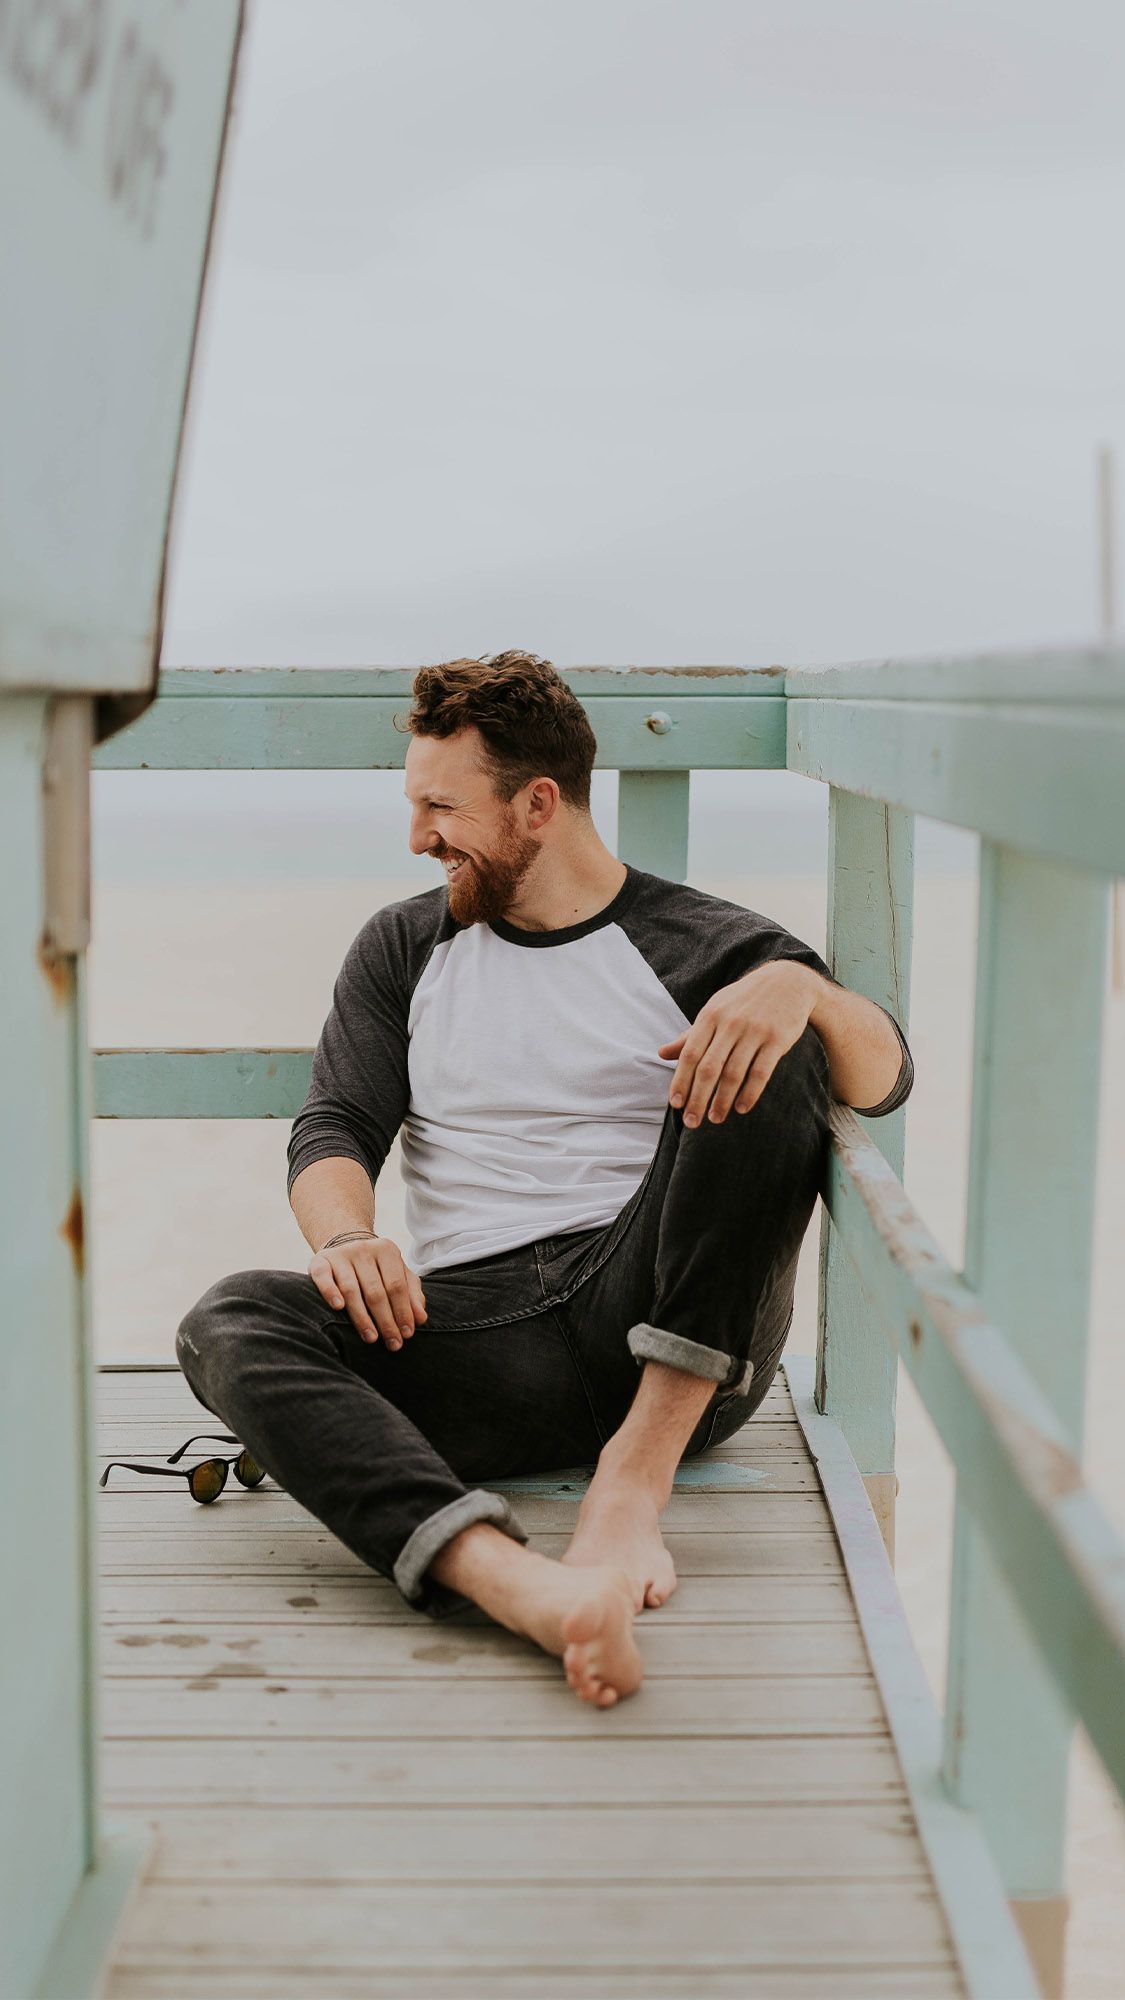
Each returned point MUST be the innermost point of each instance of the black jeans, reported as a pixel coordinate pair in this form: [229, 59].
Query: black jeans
[528, 1361]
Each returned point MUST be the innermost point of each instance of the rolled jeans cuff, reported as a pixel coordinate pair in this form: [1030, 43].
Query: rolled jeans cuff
[431, 1536]
[655, 1343]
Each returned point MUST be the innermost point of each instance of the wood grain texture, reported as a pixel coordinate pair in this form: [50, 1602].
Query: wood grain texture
[568, 1926]
[423, 1651]
[347, 1797]
[1028, 1252]
[467, 1842]
[774, 1982]
[307, 731]
[363, 1599]
[869, 943]
[1012, 771]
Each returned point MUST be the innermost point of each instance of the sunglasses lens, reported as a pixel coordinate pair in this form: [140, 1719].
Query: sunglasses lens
[207, 1481]
[248, 1470]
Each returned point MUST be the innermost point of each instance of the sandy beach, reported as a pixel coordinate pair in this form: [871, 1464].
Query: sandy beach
[176, 1205]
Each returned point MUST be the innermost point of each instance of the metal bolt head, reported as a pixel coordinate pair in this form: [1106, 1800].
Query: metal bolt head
[660, 722]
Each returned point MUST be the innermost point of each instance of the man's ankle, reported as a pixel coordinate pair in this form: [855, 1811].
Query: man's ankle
[628, 1466]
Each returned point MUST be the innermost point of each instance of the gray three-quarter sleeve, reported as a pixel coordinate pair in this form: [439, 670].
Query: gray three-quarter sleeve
[359, 1089]
[697, 943]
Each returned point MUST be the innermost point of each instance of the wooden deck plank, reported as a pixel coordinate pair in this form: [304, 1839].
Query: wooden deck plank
[421, 1652]
[579, 1771]
[216, 1708]
[363, 1599]
[305, 1555]
[431, 1927]
[465, 1843]
[270, 1512]
[222, 1982]
[315, 1559]
[361, 1799]
[200, 1536]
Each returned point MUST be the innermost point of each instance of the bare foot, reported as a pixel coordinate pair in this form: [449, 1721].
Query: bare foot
[619, 1526]
[587, 1619]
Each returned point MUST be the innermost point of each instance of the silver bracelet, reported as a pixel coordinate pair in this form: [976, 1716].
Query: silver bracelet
[350, 1236]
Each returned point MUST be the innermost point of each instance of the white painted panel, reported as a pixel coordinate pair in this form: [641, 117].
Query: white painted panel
[112, 116]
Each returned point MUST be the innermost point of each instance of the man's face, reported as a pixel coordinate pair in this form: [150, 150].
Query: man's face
[458, 819]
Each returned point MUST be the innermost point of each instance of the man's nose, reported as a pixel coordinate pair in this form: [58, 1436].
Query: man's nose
[422, 838]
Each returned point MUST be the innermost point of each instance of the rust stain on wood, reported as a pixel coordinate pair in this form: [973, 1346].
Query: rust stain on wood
[57, 968]
[678, 673]
[1056, 1471]
[72, 1229]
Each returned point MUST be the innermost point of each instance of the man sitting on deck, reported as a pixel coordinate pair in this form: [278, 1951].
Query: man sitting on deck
[613, 1097]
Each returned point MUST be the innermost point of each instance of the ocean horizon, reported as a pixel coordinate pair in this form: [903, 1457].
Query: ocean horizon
[276, 826]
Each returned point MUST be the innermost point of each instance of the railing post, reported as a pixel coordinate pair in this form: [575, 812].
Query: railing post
[1036, 1067]
[870, 922]
[47, 1828]
[107, 193]
[653, 809]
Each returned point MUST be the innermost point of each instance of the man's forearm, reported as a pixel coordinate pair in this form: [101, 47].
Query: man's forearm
[330, 1196]
[864, 1053]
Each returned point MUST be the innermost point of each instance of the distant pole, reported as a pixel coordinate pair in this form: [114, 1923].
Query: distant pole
[1107, 540]
[1107, 483]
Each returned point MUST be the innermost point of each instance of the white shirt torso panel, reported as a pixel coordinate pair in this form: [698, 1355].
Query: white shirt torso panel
[520, 1068]
[536, 1092]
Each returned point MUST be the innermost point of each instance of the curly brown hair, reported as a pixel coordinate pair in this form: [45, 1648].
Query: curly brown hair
[532, 724]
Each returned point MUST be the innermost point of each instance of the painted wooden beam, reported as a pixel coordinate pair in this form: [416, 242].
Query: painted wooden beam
[112, 126]
[1067, 675]
[870, 911]
[653, 813]
[47, 1802]
[1033, 1153]
[1064, 1563]
[1044, 777]
[310, 732]
[988, 1945]
[96, 1914]
[639, 683]
[200, 1083]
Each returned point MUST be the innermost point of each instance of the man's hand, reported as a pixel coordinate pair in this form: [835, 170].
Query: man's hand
[371, 1277]
[738, 1038]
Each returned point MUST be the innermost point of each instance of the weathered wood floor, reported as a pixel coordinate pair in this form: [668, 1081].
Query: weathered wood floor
[349, 1799]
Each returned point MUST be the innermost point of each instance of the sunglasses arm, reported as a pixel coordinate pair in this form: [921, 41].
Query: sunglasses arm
[212, 1437]
[129, 1465]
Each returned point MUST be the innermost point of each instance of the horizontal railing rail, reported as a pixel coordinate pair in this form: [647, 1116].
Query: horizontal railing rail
[200, 1083]
[1016, 1468]
[1029, 752]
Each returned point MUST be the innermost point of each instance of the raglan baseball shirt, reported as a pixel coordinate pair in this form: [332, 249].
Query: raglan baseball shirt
[520, 1066]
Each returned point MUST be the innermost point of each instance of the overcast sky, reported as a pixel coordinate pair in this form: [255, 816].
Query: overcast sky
[637, 331]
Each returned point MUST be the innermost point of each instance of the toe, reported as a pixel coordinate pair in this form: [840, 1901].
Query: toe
[579, 1673]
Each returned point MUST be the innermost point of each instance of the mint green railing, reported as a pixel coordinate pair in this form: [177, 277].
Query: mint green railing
[1030, 753]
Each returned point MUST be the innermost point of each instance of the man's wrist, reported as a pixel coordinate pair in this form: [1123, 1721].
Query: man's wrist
[348, 1236]
[820, 991]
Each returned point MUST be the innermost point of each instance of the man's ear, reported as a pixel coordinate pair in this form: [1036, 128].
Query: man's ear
[543, 797]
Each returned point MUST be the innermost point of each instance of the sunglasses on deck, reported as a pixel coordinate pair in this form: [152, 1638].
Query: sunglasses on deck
[206, 1480]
